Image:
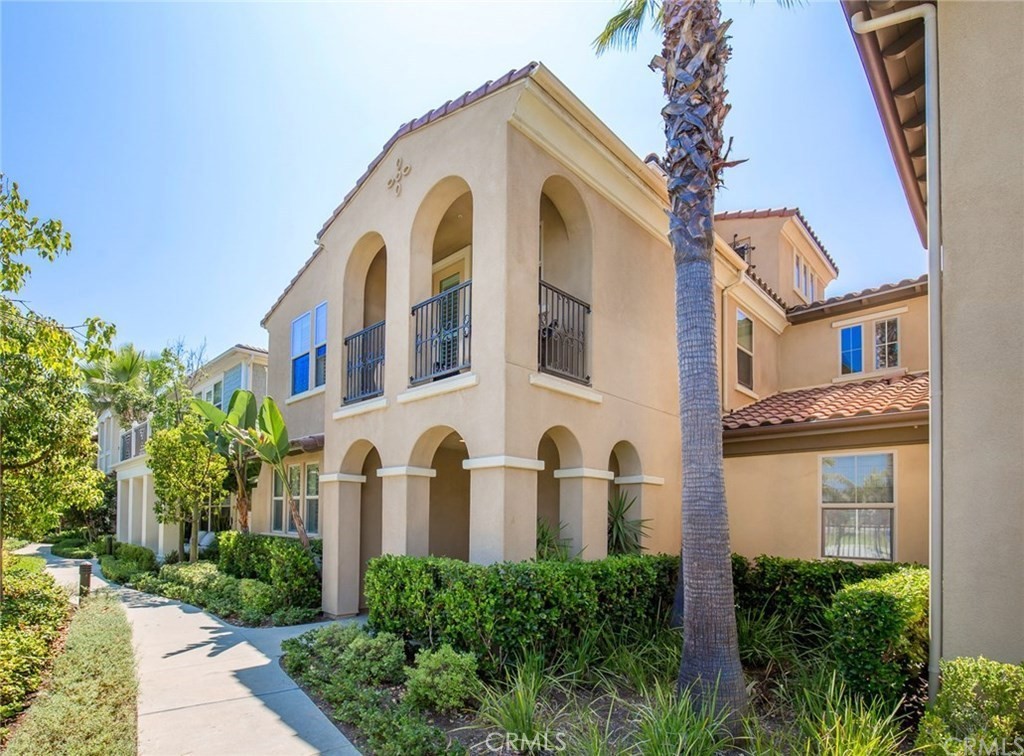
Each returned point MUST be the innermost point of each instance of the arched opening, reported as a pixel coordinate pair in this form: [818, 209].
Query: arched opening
[443, 450]
[624, 494]
[370, 517]
[558, 448]
[364, 308]
[564, 267]
[441, 272]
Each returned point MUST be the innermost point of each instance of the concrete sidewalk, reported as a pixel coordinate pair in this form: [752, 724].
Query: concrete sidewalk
[207, 687]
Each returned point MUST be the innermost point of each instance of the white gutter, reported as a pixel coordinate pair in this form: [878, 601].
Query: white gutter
[861, 25]
[725, 300]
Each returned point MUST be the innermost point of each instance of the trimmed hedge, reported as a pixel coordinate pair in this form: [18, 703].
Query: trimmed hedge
[280, 562]
[800, 589]
[496, 610]
[128, 563]
[880, 633]
[34, 612]
[979, 709]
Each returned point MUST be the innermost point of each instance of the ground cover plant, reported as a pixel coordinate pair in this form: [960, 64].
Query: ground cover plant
[35, 612]
[88, 707]
[128, 563]
[607, 683]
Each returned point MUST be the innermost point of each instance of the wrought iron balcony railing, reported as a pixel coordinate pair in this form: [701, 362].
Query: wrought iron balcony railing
[562, 336]
[364, 364]
[133, 442]
[442, 334]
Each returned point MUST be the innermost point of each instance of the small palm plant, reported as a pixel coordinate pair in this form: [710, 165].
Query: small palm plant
[625, 535]
[551, 546]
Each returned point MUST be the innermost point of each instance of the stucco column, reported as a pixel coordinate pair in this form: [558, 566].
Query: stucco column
[405, 510]
[502, 508]
[340, 527]
[583, 501]
[122, 512]
[131, 510]
[143, 513]
[642, 488]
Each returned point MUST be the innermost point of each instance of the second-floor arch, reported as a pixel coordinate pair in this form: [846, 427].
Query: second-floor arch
[364, 308]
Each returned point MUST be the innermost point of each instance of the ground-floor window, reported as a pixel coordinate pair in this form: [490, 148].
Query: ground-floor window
[304, 483]
[858, 502]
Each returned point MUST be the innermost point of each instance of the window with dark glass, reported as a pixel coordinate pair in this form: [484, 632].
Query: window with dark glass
[887, 344]
[320, 344]
[851, 349]
[300, 353]
[744, 350]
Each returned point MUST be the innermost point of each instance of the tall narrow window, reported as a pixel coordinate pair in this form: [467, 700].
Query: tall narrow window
[744, 350]
[313, 498]
[277, 505]
[300, 353]
[796, 272]
[851, 349]
[295, 489]
[858, 500]
[887, 344]
[218, 395]
[320, 344]
[807, 281]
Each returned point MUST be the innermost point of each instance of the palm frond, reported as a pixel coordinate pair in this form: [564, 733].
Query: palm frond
[623, 29]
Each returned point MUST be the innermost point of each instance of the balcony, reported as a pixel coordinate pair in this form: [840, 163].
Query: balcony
[133, 442]
[562, 335]
[364, 364]
[442, 343]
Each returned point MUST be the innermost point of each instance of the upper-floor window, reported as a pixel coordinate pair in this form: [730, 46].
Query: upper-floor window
[858, 499]
[215, 395]
[887, 344]
[309, 349]
[851, 349]
[797, 271]
[744, 350]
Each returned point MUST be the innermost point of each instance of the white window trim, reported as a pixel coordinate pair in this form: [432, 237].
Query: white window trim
[751, 352]
[273, 499]
[894, 506]
[839, 355]
[883, 315]
[867, 345]
[305, 497]
[899, 344]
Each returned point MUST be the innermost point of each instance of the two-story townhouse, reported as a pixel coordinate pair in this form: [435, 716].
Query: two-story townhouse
[484, 339]
[123, 451]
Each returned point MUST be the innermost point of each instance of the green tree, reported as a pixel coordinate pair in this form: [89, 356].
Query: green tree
[694, 54]
[47, 455]
[188, 473]
[269, 441]
[176, 374]
[243, 464]
[125, 382]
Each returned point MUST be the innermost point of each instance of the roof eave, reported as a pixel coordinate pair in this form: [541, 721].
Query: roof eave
[858, 422]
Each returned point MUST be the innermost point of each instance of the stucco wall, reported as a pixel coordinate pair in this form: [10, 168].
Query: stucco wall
[774, 503]
[982, 121]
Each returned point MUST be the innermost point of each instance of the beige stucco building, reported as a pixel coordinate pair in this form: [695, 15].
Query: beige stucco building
[484, 337]
[948, 80]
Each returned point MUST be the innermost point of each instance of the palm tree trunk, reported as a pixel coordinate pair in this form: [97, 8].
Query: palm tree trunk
[695, 53]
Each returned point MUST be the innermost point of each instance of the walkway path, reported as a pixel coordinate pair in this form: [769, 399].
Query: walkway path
[207, 687]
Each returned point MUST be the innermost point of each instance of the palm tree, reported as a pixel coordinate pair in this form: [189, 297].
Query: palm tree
[695, 51]
[123, 382]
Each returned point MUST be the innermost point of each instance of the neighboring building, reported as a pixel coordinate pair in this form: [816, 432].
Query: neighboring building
[485, 336]
[123, 451]
[977, 118]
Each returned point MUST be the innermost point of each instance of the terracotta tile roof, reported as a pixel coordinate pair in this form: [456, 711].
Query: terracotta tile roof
[466, 98]
[877, 291]
[306, 444]
[780, 212]
[766, 288]
[883, 396]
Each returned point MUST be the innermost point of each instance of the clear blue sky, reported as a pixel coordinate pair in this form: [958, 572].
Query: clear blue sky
[194, 150]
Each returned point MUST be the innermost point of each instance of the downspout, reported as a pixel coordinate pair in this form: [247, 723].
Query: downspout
[860, 25]
[725, 299]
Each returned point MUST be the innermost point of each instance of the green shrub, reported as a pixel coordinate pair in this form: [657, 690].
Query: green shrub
[294, 615]
[496, 610]
[980, 703]
[442, 680]
[671, 723]
[800, 589]
[880, 632]
[256, 600]
[71, 542]
[71, 550]
[172, 557]
[832, 723]
[120, 571]
[314, 656]
[374, 660]
[89, 708]
[143, 557]
[280, 562]
[34, 612]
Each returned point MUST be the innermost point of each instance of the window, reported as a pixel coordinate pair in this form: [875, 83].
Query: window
[887, 345]
[312, 498]
[218, 395]
[858, 498]
[216, 516]
[295, 489]
[744, 350]
[300, 353]
[277, 505]
[851, 349]
[320, 344]
[796, 271]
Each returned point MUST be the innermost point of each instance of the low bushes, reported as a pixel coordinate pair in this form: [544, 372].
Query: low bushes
[128, 563]
[355, 672]
[89, 707]
[979, 709]
[880, 632]
[246, 600]
[443, 680]
[34, 613]
[280, 562]
[496, 610]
